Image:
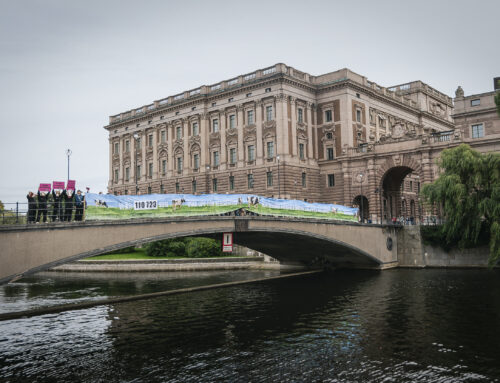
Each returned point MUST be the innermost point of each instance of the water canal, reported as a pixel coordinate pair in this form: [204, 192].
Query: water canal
[400, 325]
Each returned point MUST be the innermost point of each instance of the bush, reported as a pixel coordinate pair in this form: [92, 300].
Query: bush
[203, 248]
[185, 247]
[435, 236]
[166, 248]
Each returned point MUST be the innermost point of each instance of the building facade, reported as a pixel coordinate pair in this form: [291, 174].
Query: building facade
[277, 132]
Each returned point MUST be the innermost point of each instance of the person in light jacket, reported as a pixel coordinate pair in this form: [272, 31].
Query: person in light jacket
[79, 205]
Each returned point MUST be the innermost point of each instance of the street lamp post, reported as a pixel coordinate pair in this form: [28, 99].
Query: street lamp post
[68, 153]
[136, 140]
[360, 180]
[279, 181]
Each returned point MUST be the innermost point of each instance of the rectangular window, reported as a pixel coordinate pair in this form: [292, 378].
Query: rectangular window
[214, 185]
[304, 180]
[411, 186]
[138, 171]
[270, 149]
[116, 176]
[196, 161]
[232, 155]
[232, 121]
[329, 153]
[163, 166]
[162, 189]
[193, 186]
[269, 113]
[149, 189]
[150, 140]
[231, 182]
[127, 174]
[250, 181]
[115, 148]
[328, 115]
[300, 113]
[127, 146]
[163, 136]
[178, 132]
[250, 117]
[150, 169]
[477, 131]
[139, 142]
[331, 180]
[269, 179]
[251, 153]
[358, 115]
[216, 159]
[177, 187]
[475, 102]
[196, 131]
[301, 151]
[179, 164]
[215, 125]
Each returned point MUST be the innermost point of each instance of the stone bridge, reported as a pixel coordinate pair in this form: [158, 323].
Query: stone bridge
[312, 242]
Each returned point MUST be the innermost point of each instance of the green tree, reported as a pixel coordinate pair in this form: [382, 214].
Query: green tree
[468, 194]
[1, 206]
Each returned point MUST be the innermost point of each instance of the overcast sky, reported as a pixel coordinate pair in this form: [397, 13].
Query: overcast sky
[66, 66]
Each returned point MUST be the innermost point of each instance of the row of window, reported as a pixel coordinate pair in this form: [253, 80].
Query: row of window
[250, 180]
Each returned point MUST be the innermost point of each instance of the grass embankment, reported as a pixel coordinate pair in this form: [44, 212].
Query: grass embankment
[300, 213]
[138, 254]
[102, 213]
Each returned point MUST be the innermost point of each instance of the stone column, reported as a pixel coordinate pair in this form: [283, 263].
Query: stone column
[241, 147]
[186, 163]
[110, 181]
[170, 152]
[346, 171]
[121, 177]
[258, 128]
[293, 119]
[143, 162]
[279, 127]
[155, 154]
[204, 137]
[310, 153]
[133, 164]
[223, 149]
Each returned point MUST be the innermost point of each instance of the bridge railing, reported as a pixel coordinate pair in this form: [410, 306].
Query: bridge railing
[13, 213]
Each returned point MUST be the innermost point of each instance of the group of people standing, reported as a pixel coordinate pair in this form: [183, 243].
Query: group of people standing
[57, 206]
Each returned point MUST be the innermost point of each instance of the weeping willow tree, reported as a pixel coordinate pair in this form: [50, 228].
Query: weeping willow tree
[468, 195]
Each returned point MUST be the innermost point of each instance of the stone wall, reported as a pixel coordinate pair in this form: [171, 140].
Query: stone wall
[412, 252]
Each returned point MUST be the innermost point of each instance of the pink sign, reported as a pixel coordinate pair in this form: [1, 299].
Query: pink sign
[58, 184]
[71, 185]
[44, 187]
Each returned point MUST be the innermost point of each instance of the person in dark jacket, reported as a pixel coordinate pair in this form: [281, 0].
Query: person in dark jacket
[57, 208]
[68, 198]
[79, 205]
[42, 206]
[31, 207]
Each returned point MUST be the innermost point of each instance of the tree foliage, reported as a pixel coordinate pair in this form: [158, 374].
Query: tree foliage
[184, 247]
[467, 193]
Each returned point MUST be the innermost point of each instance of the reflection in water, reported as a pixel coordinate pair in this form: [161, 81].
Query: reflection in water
[396, 325]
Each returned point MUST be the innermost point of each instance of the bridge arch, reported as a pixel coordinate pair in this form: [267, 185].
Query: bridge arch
[28, 249]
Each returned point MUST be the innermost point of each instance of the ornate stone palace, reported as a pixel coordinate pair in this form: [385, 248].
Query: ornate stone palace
[280, 132]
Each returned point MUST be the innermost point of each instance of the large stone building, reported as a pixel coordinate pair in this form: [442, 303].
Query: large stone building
[274, 132]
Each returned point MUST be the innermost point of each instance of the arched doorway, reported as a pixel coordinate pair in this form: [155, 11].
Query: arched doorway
[364, 207]
[400, 186]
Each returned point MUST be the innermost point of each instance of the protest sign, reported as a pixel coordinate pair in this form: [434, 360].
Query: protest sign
[71, 185]
[58, 184]
[44, 187]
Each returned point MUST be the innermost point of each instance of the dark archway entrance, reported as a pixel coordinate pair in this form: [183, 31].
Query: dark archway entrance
[364, 207]
[399, 187]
